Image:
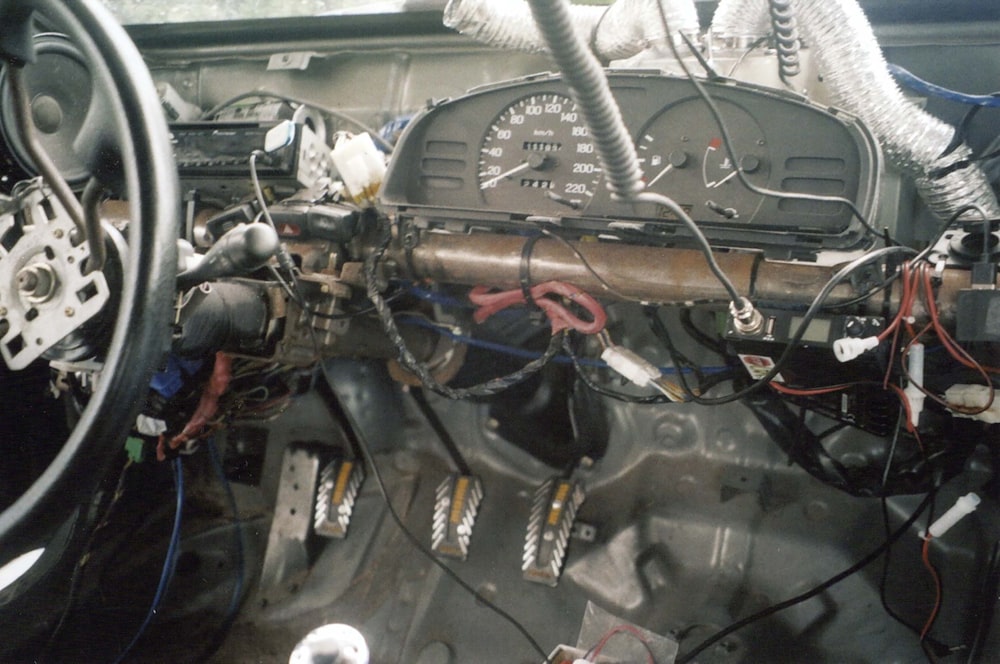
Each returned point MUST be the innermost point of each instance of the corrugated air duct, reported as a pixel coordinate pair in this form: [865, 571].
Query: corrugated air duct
[619, 31]
[854, 69]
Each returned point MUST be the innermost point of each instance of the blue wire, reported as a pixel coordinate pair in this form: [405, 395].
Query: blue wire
[528, 354]
[234, 601]
[914, 82]
[169, 564]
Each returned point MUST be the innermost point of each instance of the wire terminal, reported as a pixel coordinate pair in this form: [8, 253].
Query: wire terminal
[848, 348]
[964, 506]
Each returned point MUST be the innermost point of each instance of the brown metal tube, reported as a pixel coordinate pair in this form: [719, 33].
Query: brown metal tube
[648, 274]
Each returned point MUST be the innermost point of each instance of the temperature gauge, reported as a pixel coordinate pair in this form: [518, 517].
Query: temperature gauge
[684, 157]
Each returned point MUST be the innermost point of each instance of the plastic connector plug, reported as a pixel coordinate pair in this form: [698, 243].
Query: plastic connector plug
[630, 365]
[848, 348]
[361, 166]
[964, 506]
[913, 391]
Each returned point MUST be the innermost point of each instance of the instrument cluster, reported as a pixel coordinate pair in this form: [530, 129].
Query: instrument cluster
[534, 160]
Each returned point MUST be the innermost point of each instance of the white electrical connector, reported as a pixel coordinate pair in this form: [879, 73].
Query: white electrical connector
[915, 369]
[361, 167]
[974, 397]
[630, 365]
[964, 506]
[848, 348]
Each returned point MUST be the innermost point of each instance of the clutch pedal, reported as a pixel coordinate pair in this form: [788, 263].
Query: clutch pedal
[338, 489]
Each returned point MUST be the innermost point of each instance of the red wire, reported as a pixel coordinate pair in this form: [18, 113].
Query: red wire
[808, 391]
[627, 629]
[950, 344]
[906, 297]
[925, 555]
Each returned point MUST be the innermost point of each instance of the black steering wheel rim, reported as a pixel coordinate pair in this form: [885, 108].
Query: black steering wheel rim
[141, 330]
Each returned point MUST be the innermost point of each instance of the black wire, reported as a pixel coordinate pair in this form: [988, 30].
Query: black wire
[442, 432]
[692, 226]
[716, 345]
[413, 539]
[946, 226]
[679, 359]
[169, 563]
[807, 317]
[408, 360]
[581, 372]
[888, 529]
[370, 309]
[75, 578]
[728, 142]
[585, 263]
[689, 656]
[237, 592]
[326, 110]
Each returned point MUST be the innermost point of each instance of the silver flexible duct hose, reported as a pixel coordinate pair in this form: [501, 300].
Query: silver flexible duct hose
[856, 75]
[590, 88]
[619, 31]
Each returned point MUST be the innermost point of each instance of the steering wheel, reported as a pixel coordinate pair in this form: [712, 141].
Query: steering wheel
[128, 128]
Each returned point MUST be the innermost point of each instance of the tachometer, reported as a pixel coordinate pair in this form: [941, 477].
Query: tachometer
[538, 153]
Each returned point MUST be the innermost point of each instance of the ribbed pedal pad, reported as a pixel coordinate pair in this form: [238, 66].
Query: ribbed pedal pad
[455, 508]
[552, 514]
[338, 489]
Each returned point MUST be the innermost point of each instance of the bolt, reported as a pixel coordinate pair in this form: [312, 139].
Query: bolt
[58, 233]
[70, 312]
[3, 311]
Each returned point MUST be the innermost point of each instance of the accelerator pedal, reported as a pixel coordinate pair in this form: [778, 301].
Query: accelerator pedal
[338, 488]
[455, 508]
[552, 514]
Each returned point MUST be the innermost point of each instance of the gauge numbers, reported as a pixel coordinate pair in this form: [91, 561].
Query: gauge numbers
[538, 154]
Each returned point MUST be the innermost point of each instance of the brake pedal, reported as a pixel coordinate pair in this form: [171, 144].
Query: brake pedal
[338, 489]
[552, 514]
[455, 508]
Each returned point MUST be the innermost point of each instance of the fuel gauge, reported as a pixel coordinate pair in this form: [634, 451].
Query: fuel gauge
[684, 157]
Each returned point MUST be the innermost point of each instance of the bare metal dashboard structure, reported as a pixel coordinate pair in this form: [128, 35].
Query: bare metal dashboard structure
[420, 374]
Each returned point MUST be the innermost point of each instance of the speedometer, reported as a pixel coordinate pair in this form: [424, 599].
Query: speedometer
[538, 153]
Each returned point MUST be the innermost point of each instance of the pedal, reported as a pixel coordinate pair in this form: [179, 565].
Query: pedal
[552, 514]
[338, 489]
[455, 509]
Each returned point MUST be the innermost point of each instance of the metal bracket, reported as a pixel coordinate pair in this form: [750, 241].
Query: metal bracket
[290, 546]
[45, 291]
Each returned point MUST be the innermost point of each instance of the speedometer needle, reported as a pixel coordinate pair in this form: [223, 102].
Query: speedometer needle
[520, 168]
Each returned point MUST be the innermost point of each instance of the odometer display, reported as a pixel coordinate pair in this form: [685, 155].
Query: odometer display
[538, 153]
